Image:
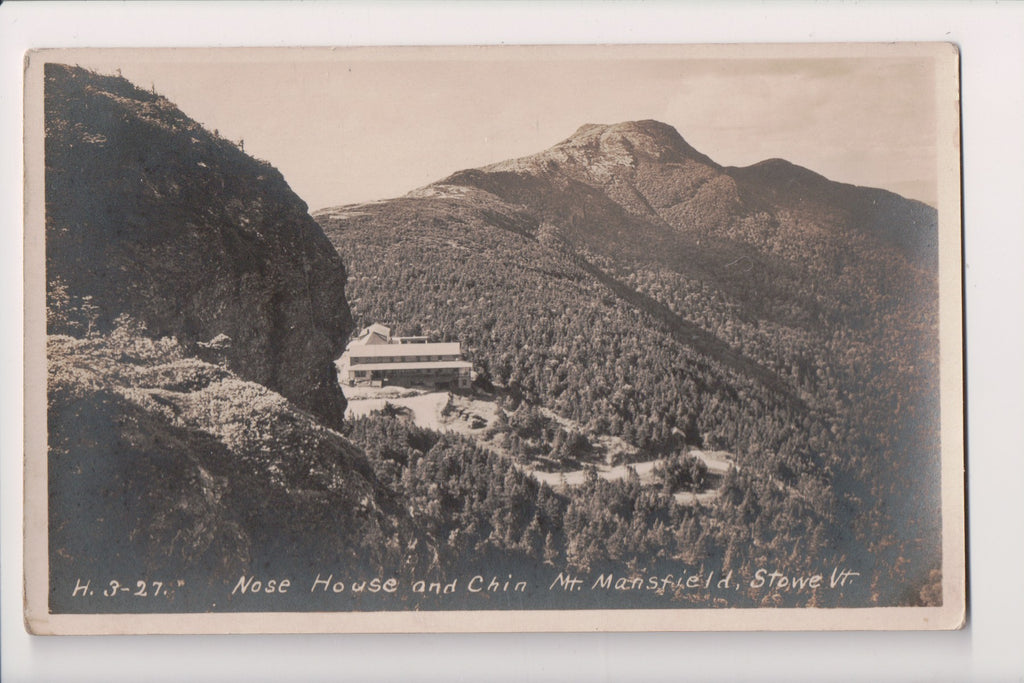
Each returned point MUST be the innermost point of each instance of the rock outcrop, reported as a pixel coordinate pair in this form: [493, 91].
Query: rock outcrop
[194, 313]
[153, 216]
[164, 466]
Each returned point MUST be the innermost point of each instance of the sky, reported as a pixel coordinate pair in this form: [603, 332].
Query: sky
[355, 125]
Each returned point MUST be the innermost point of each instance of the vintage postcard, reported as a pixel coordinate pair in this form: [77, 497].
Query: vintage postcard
[612, 338]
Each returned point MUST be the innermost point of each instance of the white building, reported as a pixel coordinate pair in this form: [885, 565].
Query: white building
[376, 358]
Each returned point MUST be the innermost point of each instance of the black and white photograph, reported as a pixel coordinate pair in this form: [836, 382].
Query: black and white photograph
[506, 338]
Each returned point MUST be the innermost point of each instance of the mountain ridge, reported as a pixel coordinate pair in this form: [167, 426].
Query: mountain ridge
[757, 215]
[647, 170]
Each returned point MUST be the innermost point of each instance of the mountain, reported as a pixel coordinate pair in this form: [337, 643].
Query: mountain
[153, 216]
[627, 282]
[638, 189]
[731, 264]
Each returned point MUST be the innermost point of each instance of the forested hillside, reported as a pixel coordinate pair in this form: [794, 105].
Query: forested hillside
[629, 283]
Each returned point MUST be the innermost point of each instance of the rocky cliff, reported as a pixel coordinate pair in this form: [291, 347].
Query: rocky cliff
[194, 311]
[151, 215]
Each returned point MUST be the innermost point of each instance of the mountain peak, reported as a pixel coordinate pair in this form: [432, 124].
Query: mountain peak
[600, 149]
[646, 127]
[647, 137]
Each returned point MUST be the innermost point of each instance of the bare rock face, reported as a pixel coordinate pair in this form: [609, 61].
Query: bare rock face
[151, 215]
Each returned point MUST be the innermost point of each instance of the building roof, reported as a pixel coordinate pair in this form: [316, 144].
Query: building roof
[405, 350]
[425, 365]
[374, 334]
[370, 339]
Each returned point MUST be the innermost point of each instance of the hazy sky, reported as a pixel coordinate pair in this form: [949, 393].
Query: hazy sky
[356, 125]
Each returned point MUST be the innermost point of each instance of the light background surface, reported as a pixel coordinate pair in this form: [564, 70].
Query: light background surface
[991, 38]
